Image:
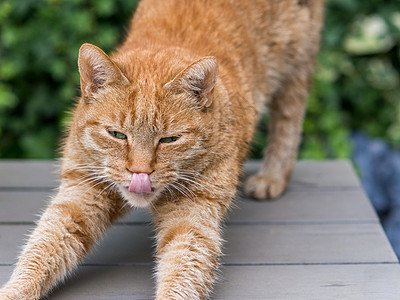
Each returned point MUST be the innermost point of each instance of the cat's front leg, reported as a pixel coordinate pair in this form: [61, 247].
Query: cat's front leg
[188, 247]
[68, 228]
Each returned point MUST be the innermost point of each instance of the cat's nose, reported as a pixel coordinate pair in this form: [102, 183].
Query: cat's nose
[147, 169]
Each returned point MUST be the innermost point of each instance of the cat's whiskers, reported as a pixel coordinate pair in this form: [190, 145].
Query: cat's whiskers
[111, 189]
[90, 178]
[191, 172]
[126, 203]
[91, 165]
[183, 192]
[153, 207]
[94, 175]
[88, 175]
[191, 176]
[89, 169]
[190, 179]
[88, 165]
[103, 180]
[83, 169]
[170, 191]
[109, 186]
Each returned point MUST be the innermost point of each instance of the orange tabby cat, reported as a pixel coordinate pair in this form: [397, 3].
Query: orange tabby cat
[166, 123]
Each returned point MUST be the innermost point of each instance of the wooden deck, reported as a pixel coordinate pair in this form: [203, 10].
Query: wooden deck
[320, 240]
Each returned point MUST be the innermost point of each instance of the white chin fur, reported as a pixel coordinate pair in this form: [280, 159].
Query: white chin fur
[138, 200]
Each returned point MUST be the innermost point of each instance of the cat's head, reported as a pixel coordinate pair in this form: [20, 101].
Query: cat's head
[146, 130]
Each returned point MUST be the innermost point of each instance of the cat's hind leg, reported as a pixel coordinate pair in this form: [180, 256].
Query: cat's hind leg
[287, 109]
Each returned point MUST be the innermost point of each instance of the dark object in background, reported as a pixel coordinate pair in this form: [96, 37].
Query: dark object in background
[379, 166]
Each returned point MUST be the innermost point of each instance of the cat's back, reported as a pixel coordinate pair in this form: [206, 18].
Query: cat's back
[237, 32]
[198, 23]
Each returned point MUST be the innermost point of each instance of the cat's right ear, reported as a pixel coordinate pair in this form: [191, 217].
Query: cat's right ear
[197, 81]
[97, 70]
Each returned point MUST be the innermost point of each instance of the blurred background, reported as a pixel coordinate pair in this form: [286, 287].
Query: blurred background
[353, 110]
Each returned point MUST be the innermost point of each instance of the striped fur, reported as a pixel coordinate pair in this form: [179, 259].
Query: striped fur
[201, 72]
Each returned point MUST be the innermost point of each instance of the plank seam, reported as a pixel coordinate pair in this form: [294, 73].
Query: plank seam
[309, 188]
[234, 264]
[27, 189]
[235, 223]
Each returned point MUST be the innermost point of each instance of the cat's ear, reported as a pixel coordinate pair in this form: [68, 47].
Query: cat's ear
[197, 80]
[97, 70]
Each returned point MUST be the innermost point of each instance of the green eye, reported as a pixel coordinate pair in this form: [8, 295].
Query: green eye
[118, 135]
[169, 139]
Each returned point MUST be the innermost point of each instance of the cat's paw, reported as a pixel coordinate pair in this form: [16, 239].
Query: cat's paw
[6, 295]
[262, 186]
[11, 293]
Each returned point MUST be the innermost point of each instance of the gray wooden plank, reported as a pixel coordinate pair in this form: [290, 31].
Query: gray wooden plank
[269, 244]
[137, 215]
[323, 218]
[108, 283]
[305, 243]
[28, 174]
[27, 206]
[307, 174]
[22, 206]
[101, 282]
[134, 245]
[12, 239]
[332, 174]
[5, 273]
[311, 174]
[312, 282]
[312, 206]
[306, 206]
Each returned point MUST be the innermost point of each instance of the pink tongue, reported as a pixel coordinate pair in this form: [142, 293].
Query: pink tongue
[140, 183]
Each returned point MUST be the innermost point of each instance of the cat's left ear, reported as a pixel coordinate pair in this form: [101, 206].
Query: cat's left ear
[97, 70]
[197, 81]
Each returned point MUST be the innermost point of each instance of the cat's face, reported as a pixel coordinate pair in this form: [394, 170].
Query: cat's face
[145, 137]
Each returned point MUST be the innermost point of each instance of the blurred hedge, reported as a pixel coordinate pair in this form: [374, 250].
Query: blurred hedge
[356, 83]
[39, 79]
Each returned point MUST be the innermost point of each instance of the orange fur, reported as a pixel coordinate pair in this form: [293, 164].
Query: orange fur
[183, 93]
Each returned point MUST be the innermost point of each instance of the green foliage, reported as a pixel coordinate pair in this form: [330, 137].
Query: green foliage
[39, 42]
[356, 84]
[356, 81]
